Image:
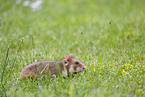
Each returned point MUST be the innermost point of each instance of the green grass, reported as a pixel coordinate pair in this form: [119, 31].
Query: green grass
[103, 34]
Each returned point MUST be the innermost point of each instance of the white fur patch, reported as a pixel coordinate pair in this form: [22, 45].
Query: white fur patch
[78, 69]
[71, 69]
[64, 73]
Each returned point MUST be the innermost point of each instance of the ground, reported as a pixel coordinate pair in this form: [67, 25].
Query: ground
[108, 36]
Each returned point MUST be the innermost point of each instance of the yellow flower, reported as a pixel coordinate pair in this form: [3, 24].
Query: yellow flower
[127, 67]
[123, 71]
[94, 69]
[85, 95]
[15, 45]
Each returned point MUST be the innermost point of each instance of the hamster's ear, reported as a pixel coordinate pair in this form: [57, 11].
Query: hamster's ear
[71, 56]
[67, 60]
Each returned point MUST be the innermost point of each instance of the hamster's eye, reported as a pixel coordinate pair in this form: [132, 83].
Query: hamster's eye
[77, 63]
[65, 62]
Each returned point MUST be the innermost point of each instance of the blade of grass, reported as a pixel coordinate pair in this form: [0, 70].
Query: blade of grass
[17, 53]
[5, 65]
[4, 68]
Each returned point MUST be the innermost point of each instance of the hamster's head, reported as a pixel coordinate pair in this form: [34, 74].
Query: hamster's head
[73, 65]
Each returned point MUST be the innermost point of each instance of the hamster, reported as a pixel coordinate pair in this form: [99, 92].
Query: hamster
[48, 68]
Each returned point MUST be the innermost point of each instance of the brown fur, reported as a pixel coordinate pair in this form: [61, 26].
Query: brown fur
[49, 68]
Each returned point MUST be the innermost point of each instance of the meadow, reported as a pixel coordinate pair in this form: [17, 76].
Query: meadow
[108, 36]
